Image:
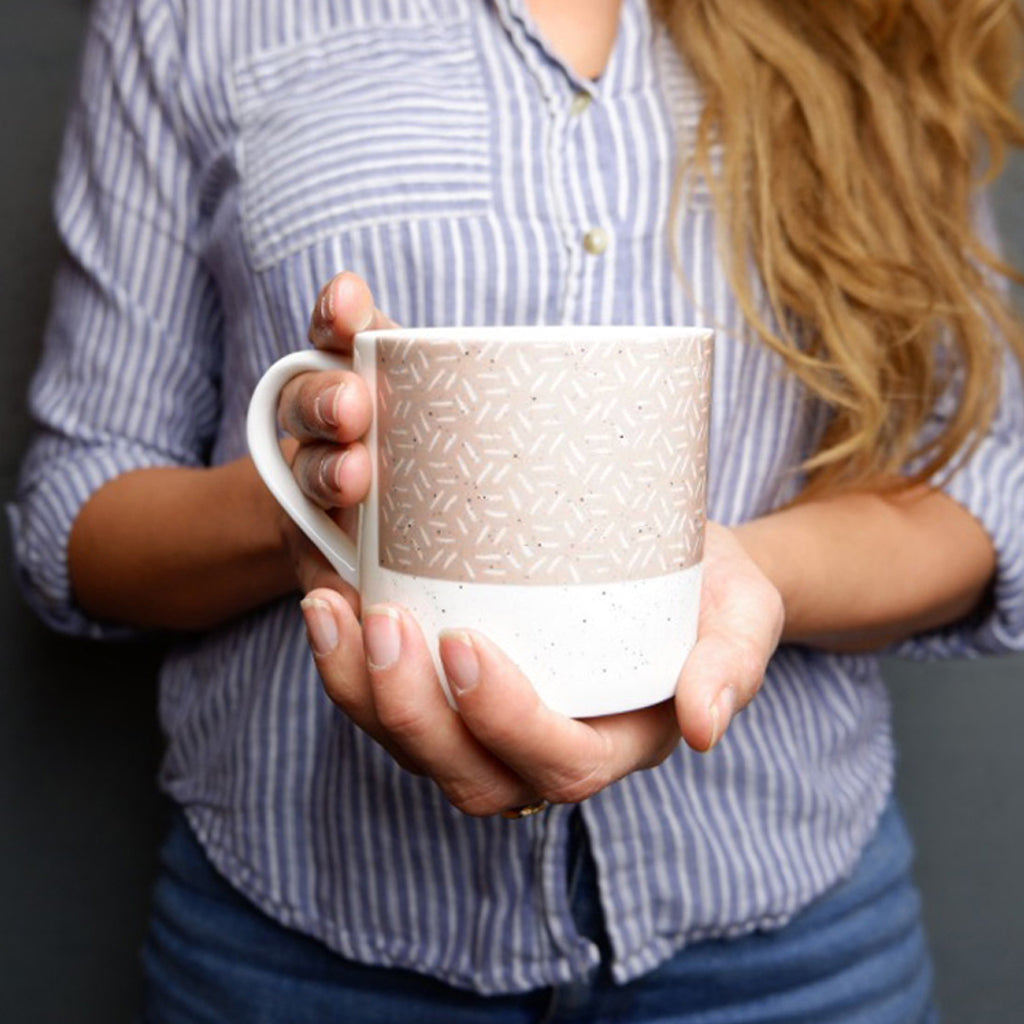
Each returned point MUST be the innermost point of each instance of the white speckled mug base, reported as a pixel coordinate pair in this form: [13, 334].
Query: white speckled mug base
[588, 649]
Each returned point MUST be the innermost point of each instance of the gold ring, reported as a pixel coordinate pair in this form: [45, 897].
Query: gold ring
[526, 811]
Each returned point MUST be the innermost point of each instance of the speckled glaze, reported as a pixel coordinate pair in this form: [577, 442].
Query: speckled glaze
[589, 649]
[545, 486]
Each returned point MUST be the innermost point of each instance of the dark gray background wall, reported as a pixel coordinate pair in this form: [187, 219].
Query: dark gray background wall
[79, 818]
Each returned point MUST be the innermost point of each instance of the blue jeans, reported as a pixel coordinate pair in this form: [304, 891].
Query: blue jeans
[856, 956]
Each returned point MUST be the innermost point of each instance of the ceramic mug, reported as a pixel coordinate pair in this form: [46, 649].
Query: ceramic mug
[543, 485]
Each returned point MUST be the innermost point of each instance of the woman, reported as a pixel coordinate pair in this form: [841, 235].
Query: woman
[804, 177]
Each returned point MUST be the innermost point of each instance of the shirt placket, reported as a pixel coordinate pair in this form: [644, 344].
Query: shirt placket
[576, 199]
[587, 221]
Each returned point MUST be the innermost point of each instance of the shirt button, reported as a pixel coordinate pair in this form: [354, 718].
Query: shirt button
[580, 102]
[595, 241]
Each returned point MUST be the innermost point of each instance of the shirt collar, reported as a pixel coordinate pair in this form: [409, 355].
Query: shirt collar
[629, 64]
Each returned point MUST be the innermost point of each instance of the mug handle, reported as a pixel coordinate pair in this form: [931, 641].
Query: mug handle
[262, 435]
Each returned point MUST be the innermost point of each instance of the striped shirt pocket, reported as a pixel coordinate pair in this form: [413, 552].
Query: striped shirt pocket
[360, 129]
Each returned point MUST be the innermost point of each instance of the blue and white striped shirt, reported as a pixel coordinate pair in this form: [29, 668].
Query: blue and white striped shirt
[223, 160]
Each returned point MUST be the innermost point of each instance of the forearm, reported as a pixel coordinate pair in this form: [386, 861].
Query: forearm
[179, 548]
[859, 571]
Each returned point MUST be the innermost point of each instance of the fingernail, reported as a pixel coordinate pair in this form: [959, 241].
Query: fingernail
[721, 711]
[320, 624]
[329, 469]
[327, 407]
[327, 304]
[461, 664]
[382, 637]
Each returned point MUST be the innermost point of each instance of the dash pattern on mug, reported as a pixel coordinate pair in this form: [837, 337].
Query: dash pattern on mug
[551, 463]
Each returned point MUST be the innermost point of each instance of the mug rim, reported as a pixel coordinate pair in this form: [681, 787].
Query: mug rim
[527, 334]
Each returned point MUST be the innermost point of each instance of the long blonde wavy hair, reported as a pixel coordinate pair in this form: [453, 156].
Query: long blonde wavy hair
[854, 136]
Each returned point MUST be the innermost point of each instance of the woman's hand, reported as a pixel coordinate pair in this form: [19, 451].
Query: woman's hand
[326, 415]
[504, 748]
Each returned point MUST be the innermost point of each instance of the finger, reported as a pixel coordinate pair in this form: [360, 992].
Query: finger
[726, 667]
[330, 406]
[333, 477]
[412, 710]
[312, 570]
[344, 307]
[562, 759]
[717, 679]
[335, 638]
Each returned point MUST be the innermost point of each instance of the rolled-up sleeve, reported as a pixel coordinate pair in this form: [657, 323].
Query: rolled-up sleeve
[990, 485]
[128, 376]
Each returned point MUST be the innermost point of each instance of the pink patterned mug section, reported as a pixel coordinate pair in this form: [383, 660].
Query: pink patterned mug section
[552, 462]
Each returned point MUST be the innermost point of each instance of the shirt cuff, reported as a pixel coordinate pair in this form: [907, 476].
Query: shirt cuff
[990, 485]
[57, 480]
